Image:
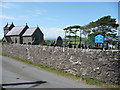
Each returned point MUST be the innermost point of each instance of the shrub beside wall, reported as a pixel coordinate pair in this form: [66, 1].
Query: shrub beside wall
[97, 64]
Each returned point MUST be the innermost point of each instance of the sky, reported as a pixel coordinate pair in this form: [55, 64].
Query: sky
[52, 17]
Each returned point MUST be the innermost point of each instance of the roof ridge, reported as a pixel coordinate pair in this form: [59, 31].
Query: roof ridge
[20, 26]
[33, 27]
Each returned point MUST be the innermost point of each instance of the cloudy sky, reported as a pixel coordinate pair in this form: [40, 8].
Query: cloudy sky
[52, 17]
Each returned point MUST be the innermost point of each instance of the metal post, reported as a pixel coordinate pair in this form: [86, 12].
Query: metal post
[80, 36]
[75, 40]
[119, 25]
[65, 40]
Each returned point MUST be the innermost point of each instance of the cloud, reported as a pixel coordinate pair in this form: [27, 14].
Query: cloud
[8, 5]
[7, 17]
[22, 17]
[36, 12]
[50, 19]
[3, 6]
[52, 32]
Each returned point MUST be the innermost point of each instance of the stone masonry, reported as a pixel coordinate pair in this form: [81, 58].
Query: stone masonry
[97, 64]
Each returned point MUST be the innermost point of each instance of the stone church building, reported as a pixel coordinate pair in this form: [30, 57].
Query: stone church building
[22, 34]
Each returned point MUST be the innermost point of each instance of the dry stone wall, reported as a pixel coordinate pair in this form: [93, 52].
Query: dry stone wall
[97, 64]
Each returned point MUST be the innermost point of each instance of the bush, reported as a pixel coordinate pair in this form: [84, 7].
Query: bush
[43, 43]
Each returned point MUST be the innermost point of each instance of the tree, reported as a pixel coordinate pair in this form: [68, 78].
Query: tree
[72, 30]
[85, 31]
[76, 28]
[67, 30]
[105, 26]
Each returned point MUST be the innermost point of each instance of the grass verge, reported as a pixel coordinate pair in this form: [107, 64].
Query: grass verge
[63, 73]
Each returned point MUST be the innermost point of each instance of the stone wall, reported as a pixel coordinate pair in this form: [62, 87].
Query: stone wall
[97, 64]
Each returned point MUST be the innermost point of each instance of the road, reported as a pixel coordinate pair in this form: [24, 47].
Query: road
[16, 74]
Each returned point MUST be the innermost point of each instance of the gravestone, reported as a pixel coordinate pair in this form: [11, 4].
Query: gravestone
[70, 45]
[59, 41]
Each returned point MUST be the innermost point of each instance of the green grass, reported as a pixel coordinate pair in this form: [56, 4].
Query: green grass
[68, 75]
[5, 43]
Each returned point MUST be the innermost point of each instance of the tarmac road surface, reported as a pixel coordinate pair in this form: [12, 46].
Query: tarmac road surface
[16, 74]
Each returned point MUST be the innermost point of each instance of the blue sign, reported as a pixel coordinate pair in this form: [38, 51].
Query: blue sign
[99, 39]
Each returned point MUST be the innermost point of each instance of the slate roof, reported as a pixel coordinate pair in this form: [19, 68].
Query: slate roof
[16, 30]
[29, 31]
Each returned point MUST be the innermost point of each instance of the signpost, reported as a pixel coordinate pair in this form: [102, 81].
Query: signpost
[98, 40]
